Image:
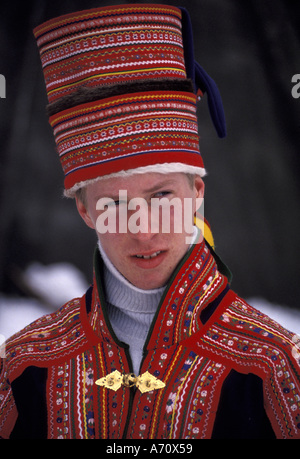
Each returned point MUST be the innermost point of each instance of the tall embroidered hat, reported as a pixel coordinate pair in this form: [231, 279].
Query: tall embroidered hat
[122, 86]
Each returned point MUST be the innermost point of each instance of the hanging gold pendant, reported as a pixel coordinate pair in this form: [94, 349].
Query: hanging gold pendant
[145, 382]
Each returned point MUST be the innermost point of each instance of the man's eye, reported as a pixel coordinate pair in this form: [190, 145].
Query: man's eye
[113, 204]
[161, 194]
[118, 202]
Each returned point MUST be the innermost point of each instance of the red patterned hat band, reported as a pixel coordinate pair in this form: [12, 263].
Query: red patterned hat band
[110, 45]
[127, 132]
[136, 130]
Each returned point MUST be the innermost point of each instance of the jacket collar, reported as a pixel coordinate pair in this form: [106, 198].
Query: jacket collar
[195, 284]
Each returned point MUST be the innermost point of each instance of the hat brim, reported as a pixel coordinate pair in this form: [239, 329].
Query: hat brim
[166, 168]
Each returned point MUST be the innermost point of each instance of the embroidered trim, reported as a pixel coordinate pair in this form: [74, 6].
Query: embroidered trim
[78, 350]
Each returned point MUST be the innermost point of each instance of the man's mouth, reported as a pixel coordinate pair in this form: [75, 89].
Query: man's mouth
[147, 257]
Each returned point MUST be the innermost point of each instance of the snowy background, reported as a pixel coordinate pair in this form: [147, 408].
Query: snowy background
[54, 285]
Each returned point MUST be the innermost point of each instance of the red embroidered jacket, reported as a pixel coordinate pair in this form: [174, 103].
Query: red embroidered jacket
[227, 370]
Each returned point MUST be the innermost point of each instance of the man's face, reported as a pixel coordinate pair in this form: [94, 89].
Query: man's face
[145, 258]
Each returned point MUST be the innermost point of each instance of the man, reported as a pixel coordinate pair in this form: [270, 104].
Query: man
[159, 347]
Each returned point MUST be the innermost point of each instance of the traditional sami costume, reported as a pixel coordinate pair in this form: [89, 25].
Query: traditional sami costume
[212, 367]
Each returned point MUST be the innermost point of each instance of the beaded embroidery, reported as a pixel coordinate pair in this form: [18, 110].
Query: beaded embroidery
[114, 45]
[191, 359]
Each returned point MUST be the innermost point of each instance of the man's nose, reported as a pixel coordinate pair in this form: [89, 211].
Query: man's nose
[139, 220]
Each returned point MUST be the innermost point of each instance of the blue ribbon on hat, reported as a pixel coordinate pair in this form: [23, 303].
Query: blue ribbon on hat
[200, 78]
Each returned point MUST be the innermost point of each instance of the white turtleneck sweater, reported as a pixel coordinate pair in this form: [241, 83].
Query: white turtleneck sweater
[130, 309]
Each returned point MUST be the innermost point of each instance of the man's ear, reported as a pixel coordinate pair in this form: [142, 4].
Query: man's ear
[84, 213]
[199, 188]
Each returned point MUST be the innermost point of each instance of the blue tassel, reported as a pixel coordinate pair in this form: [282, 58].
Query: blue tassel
[200, 78]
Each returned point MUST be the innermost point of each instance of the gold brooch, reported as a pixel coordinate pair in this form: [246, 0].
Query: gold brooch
[145, 382]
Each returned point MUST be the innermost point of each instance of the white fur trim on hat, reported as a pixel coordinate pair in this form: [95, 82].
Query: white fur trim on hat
[166, 168]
